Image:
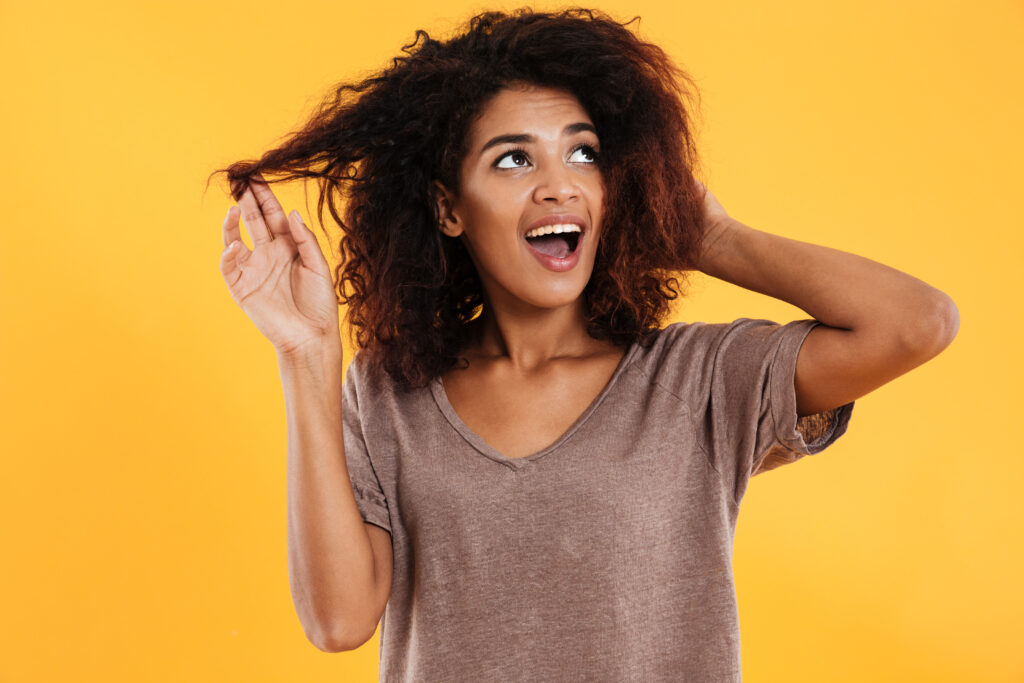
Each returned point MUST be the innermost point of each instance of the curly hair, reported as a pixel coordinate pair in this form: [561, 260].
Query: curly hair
[376, 147]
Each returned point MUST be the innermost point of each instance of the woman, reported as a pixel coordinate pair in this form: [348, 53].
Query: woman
[523, 476]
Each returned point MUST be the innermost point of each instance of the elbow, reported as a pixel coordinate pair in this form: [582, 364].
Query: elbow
[946, 321]
[336, 640]
[936, 324]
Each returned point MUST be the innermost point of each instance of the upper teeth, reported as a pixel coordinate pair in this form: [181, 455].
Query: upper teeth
[548, 229]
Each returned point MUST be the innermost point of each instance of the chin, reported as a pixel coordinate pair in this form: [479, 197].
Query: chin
[556, 297]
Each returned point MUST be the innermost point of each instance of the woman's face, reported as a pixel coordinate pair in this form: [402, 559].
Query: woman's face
[548, 172]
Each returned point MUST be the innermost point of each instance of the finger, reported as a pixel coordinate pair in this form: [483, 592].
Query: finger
[273, 214]
[305, 242]
[231, 260]
[231, 231]
[253, 218]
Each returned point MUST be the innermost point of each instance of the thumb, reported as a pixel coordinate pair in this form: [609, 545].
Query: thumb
[305, 242]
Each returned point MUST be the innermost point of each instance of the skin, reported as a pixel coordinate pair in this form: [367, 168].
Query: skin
[531, 361]
[531, 348]
[877, 322]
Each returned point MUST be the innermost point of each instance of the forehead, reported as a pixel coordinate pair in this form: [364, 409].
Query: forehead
[527, 108]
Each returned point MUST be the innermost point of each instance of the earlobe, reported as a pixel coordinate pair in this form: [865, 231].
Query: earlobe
[450, 230]
[448, 223]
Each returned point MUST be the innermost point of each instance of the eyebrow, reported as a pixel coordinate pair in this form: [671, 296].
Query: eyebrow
[571, 129]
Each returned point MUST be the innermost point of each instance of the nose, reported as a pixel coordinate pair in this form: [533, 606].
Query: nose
[555, 182]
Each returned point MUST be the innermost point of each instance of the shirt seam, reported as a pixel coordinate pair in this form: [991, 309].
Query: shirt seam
[697, 440]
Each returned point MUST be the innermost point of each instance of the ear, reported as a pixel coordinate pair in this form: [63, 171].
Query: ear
[450, 224]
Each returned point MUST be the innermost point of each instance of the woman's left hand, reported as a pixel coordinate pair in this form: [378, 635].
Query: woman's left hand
[716, 226]
[713, 211]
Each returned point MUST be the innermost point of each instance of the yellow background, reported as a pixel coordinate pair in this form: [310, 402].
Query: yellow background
[142, 422]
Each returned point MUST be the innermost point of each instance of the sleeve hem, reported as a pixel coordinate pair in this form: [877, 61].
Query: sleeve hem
[783, 401]
[374, 513]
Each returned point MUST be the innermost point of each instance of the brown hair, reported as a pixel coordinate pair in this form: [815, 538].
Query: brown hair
[377, 146]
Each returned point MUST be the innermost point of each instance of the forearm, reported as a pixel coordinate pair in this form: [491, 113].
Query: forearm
[837, 288]
[330, 559]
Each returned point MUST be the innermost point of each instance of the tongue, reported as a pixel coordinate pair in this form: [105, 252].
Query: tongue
[552, 245]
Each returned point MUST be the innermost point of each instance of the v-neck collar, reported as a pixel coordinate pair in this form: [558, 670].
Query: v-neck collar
[475, 440]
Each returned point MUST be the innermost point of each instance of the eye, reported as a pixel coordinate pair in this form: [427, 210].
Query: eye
[512, 153]
[588, 149]
[589, 156]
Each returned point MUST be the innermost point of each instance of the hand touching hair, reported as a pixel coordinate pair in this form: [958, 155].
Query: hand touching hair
[376, 147]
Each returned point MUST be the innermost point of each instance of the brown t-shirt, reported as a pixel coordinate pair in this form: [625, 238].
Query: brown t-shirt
[607, 556]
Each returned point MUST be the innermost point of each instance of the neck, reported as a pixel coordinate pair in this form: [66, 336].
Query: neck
[529, 338]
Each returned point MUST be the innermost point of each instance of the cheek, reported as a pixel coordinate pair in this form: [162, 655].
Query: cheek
[491, 244]
[596, 206]
[493, 225]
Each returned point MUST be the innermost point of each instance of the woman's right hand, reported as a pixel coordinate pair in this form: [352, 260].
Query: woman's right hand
[284, 283]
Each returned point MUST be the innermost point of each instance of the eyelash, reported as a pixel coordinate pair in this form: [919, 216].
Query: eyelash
[519, 150]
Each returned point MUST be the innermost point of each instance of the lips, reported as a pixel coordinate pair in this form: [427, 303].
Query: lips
[551, 262]
[550, 259]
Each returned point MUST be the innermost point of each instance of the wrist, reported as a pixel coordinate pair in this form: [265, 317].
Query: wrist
[312, 352]
[718, 235]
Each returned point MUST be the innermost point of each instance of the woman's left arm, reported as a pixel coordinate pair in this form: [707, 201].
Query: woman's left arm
[877, 322]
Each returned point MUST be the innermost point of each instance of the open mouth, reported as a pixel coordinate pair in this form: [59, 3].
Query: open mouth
[556, 245]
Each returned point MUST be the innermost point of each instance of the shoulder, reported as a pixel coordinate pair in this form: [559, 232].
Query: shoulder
[683, 356]
[355, 370]
[678, 339]
[364, 377]
[368, 383]
[662, 357]
[741, 334]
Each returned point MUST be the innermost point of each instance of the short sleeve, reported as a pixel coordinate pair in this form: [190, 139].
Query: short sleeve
[751, 418]
[366, 485]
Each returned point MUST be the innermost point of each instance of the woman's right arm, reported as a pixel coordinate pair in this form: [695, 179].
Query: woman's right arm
[331, 564]
[339, 568]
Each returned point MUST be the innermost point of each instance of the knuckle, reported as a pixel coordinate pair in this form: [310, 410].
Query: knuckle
[272, 210]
